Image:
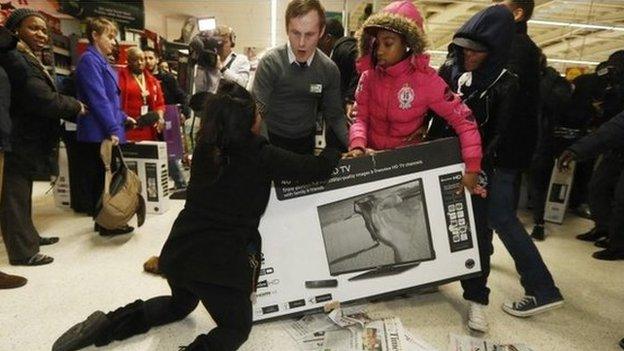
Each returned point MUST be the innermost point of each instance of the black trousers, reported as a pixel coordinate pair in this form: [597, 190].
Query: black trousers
[229, 308]
[18, 231]
[541, 170]
[80, 202]
[475, 289]
[303, 146]
[90, 183]
[606, 198]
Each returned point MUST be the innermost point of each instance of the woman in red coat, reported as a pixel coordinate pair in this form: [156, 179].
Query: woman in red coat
[140, 94]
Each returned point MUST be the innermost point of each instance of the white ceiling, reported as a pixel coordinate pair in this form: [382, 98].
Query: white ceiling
[443, 17]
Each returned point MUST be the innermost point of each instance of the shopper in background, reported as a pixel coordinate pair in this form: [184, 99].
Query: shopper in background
[213, 252]
[296, 81]
[7, 43]
[607, 185]
[96, 86]
[556, 93]
[141, 99]
[524, 61]
[343, 51]
[232, 66]
[479, 54]
[174, 95]
[36, 109]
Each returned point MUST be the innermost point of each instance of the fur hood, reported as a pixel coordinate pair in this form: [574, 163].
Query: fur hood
[401, 17]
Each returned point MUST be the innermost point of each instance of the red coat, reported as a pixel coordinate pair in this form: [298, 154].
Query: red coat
[132, 100]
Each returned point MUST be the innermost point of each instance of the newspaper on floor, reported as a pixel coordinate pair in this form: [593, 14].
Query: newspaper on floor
[308, 325]
[378, 335]
[352, 329]
[469, 343]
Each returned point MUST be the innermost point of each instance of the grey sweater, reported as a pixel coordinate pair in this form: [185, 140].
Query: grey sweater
[290, 97]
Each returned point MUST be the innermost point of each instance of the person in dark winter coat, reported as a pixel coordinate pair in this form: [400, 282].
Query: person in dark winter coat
[556, 93]
[343, 51]
[524, 61]
[7, 42]
[607, 184]
[213, 252]
[36, 108]
[476, 70]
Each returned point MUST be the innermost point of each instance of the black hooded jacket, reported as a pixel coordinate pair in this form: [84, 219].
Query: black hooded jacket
[493, 93]
[344, 55]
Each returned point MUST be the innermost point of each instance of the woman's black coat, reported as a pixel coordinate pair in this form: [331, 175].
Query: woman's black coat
[214, 235]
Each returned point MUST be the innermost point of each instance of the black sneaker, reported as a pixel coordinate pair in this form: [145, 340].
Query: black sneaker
[82, 334]
[538, 232]
[602, 243]
[609, 255]
[622, 344]
[528, 306]
[593, 235]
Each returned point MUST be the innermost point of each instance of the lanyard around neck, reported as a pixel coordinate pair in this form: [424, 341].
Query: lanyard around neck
[142, 85]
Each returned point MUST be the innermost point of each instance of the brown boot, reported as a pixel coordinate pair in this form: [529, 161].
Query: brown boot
[151, 265]
[8, 281]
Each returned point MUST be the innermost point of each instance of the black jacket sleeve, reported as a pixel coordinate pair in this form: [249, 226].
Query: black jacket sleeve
[609, 136]
[50, 103]
[281, 164]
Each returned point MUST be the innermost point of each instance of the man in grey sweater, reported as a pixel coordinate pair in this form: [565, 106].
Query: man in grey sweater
[296, 81]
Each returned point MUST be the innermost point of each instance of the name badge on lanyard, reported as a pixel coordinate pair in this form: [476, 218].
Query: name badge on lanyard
[316, 88]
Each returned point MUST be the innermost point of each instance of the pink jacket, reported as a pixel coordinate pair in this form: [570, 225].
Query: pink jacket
[392, 104]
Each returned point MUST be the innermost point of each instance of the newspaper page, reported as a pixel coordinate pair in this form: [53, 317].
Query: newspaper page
[378, 335]
[469, 343]
[307, 326]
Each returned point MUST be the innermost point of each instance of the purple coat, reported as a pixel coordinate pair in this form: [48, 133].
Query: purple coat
[96, 86]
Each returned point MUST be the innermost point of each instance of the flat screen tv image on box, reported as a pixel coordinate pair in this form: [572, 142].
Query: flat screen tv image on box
[381, 230]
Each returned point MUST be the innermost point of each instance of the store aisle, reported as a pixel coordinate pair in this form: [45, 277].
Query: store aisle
[92, 273]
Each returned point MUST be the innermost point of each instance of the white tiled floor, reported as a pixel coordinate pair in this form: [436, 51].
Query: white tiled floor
[92, 273]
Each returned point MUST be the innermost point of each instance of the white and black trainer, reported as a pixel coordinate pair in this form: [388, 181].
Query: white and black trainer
[528, 306]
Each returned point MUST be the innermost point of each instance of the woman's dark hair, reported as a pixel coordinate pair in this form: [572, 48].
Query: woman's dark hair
[226, 121]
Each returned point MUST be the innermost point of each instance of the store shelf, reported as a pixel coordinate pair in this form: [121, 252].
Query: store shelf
[61, 51]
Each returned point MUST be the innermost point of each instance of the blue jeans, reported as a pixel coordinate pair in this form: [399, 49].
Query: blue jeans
[534, 275]
[175, 172]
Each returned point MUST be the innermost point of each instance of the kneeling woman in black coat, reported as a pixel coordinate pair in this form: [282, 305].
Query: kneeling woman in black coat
[213, 251]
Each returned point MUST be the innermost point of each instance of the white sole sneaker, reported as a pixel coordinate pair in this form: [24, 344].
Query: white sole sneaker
[480, 328]
[508, 307]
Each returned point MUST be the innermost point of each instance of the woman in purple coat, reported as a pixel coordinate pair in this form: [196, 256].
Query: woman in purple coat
[96, 86]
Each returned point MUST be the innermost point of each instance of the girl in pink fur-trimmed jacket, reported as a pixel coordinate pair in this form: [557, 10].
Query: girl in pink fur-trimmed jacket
[398, 87]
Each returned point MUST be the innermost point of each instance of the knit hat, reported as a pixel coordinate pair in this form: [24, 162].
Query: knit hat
[17, 16]
[401, 17]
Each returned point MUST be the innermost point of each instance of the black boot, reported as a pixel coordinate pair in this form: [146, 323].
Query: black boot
[83, 334]
[593, 234]
[125, 322]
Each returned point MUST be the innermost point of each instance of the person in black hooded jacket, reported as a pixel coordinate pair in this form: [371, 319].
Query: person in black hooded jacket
[213, 251]
[556, 93]
[476, 70]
